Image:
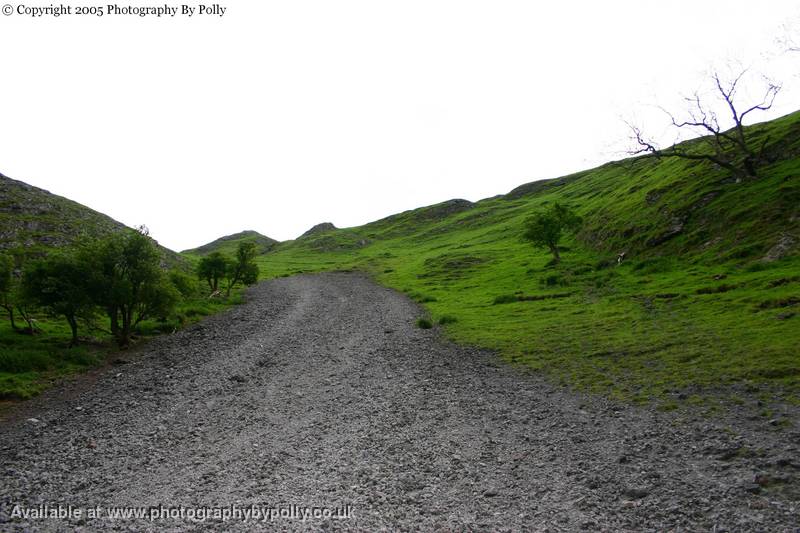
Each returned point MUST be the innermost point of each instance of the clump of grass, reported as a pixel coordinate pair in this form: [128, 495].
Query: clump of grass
[424, 323]
[20, 360]
[510, 298]
[553, 280]
[656, 265]
[716, 290]
[447, 319]
[779, 302]
[421, 298]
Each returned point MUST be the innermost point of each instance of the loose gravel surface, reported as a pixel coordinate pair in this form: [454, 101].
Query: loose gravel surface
[321, 392]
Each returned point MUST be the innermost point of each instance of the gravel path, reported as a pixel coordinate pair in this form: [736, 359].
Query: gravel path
[320, 392]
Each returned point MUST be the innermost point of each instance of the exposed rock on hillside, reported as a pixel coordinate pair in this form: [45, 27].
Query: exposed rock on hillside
[319, 228]
[33, 221]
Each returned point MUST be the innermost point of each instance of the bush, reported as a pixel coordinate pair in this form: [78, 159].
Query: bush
[186, 284]
[447, 319]
[424, 323]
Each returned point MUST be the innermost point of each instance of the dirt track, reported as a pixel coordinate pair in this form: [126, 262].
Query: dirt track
[320, 391]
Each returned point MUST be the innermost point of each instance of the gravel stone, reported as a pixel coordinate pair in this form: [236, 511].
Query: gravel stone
[321, 391]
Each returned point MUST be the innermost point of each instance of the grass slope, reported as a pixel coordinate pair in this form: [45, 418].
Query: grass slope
[34, 221]
[708, 296]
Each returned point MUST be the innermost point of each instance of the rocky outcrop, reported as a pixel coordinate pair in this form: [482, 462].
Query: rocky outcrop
[34, 221]
[319, 228]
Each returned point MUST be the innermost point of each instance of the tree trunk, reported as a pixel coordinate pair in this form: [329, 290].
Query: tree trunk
[556, 255]
[29, 329]
[73, 325]
[233, 282]
[749, 164]
[10, 309]
[124, 336]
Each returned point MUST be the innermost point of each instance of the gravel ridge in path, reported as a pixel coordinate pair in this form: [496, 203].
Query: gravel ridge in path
[320, 391]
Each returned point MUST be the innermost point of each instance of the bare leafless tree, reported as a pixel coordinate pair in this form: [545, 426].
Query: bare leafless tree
[723, 141]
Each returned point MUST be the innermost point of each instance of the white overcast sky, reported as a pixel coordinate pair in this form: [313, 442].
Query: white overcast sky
[283, 114]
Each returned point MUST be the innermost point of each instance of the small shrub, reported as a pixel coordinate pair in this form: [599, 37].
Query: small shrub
[425, 299]
[424, 323]
[447, 319]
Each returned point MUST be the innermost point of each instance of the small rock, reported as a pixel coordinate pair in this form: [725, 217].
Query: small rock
[637, 493]
[752, 488]
[490, 493]
[34, 420]
[762, 480]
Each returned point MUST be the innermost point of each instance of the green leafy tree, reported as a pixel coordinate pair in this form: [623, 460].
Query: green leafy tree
[545, 228]
[126, 280]
[59, 284]
[244, 268]
[213, 268]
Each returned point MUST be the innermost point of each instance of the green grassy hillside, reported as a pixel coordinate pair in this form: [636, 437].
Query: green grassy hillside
[707, 296]
[230, 243]
[34, 221]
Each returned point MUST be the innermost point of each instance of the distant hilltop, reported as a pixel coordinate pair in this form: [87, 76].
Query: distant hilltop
[229, 243]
